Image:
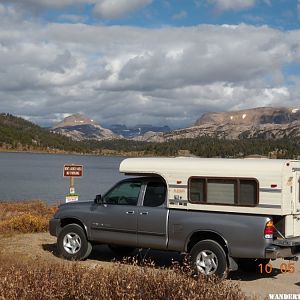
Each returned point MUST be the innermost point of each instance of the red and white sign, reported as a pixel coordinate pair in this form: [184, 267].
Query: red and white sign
[71, 199]
[73, 170]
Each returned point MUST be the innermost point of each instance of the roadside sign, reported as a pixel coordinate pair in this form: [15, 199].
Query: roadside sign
[73, 170]
[71, 198]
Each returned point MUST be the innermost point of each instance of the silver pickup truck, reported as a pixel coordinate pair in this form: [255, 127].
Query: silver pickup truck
[140, 213]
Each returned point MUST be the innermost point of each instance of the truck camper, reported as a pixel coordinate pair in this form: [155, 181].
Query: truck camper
[225, 213]
[247, 186]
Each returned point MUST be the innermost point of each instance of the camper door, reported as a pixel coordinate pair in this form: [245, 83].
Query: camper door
[296, 205]
[297, 194]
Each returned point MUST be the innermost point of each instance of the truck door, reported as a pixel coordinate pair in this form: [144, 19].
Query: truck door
[115, 220]
[152, 217]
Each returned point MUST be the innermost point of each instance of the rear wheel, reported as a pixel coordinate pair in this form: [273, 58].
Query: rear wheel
[209, 258]
[72, 243]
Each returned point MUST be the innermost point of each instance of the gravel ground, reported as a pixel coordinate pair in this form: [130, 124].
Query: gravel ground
[43, 246]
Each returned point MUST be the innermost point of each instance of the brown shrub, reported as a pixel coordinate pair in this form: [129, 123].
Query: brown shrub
[24, 280]
[25, 223]
[25, 216]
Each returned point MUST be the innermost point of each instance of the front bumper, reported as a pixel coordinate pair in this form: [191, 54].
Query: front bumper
[284, 248]
[54, 226]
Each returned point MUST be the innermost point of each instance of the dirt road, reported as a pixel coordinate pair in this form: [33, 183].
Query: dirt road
[43, 247]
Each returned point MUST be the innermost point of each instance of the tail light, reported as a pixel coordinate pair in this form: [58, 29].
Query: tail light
[269, 230]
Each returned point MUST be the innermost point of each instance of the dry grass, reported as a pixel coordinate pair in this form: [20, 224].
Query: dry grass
[25, 216]
[25, 280]
[28, 279]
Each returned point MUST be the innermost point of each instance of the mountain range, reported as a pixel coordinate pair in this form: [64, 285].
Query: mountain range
[17, 134]
[80, 127]
[261, 122]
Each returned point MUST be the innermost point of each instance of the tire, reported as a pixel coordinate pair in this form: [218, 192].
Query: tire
[72, 243]
[252, 264]
[209, 258]
[121, 250]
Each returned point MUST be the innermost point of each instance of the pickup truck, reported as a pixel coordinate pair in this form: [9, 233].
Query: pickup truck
[140, 212]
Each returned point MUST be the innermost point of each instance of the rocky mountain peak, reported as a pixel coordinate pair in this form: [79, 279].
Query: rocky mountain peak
[80, 127]
[251, 117]
[75, 120]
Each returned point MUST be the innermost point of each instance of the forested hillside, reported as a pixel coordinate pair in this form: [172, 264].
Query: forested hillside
[17, 134]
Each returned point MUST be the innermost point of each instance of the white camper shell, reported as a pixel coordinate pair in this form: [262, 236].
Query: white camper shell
[249, 186]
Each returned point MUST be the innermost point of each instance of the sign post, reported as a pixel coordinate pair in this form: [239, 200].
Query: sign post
[72, 171]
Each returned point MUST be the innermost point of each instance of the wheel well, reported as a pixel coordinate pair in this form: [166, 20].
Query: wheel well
[206, 235]
[68, 221]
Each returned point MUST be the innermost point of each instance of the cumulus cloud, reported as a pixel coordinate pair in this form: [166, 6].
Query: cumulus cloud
[112, 9]
[106, 9]
[133, 75]
[233, 4]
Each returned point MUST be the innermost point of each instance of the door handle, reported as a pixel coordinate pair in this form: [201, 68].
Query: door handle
[131, 212]
[144, 213]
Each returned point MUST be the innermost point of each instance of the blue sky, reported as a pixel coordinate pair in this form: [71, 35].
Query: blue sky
[147, 61]
[281, 14]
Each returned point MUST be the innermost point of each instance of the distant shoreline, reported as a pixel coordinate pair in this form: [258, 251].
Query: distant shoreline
[61, 152]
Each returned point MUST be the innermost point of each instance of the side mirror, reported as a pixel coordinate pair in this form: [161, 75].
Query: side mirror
[98, 199]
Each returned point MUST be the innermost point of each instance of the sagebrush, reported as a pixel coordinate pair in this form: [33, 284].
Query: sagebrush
[25, 217]
[25, 280]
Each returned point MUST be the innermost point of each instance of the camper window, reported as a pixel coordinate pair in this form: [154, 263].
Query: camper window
[248, 192]
[223, 191]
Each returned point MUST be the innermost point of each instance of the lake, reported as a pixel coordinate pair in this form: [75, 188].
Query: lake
[27, 176]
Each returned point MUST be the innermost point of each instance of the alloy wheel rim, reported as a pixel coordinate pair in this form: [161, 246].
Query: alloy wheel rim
[207, 262]
[72, 243]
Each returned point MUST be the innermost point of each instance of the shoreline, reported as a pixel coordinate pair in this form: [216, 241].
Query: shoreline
[60, 152]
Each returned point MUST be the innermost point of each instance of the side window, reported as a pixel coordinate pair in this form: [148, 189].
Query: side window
[221, 191]
[248, 192]
[226, 191]
[197, 189]
[126, 193]
[155, 194]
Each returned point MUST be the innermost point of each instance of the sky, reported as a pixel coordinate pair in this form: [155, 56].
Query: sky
[147, 61]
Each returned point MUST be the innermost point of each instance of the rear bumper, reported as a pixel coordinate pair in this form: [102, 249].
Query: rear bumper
[286, 248]
[54, 226]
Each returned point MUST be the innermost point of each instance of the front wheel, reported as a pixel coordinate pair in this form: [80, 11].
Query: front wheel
[209, 258]
[72, 243]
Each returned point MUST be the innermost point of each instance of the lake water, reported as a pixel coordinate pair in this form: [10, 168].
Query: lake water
[27, 176]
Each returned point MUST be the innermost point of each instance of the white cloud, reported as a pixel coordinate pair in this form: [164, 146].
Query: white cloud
[233, 4]
[133, 75]
[107, 9]
[112, 9]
